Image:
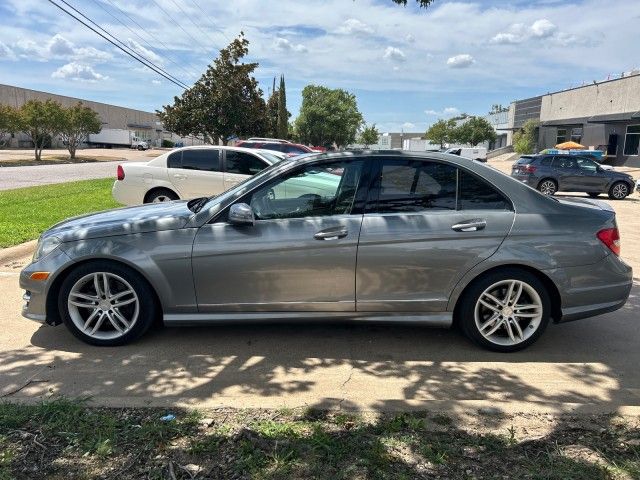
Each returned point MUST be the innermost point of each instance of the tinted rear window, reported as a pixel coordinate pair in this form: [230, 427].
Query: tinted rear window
[476, 194]
[201, 159]
[174, 160]
[524, 160]
[293, 149]
[272, 146]
[546, 161]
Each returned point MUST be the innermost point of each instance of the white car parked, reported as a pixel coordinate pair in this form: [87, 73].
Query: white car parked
[189, 172]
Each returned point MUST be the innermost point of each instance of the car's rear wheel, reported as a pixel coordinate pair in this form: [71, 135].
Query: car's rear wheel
[505, 311]
[593, 194]
[548, 186]
[106, 304]
[619, 191]
[160, 195]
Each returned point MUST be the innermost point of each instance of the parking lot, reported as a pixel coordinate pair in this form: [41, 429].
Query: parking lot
[588, 365]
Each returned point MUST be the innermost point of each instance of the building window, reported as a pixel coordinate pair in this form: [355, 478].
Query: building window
[561, 136]
[632, 140]
[576, 135]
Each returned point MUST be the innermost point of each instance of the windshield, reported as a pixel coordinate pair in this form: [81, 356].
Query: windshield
[271, 157]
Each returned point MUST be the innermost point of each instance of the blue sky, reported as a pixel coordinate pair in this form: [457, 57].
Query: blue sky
[408, 67]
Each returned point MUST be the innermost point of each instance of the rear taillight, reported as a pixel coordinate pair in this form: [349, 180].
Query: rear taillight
[611, 238]
[528, 168]
[120, 172]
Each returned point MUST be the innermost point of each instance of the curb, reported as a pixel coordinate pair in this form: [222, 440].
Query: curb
[11, 254]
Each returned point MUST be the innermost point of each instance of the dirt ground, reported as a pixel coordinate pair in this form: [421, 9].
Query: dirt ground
[17, 158]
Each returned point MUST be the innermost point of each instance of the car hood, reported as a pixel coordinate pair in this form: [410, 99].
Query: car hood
[152, 217]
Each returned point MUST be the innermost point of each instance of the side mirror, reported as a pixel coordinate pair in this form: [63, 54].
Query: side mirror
[241, 214]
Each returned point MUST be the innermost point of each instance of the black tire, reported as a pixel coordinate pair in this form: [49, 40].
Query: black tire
[619, 191]
[465, 312]
[544, 186]
[140, 148]
[148, 310]
[593, 194]
[160, 195]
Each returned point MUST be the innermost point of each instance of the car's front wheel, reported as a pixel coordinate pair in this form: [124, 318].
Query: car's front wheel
[505, 311]
[106, 304]
[619, 191]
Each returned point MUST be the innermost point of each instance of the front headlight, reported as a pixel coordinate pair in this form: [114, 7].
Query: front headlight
[45, 247]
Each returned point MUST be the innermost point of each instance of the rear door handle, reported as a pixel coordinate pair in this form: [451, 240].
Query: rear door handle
[179, 176]
[470, 225]
[333, 233]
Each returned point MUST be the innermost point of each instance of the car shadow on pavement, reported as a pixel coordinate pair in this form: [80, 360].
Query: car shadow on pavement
[380, 366]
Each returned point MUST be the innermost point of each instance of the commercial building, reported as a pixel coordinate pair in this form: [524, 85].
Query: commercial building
[602, 115]
[144, 125]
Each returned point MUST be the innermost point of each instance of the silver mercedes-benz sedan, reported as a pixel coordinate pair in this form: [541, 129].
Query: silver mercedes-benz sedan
[387, 236]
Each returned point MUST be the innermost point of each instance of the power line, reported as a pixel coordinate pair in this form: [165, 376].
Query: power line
[192, 22]
[205, 17]
[99, 4]
[181, 27]
[136, 56]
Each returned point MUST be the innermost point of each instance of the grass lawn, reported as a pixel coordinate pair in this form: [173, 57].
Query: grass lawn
[67, 439]
[26, 212]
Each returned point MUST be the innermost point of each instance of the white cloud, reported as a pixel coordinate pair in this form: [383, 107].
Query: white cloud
[156, 82]
[408, 126]
[60, 46]
[285, 45]
[6, 53]
[353, 26]
[410, 38]
[446, 112]
[460, 61]
[76, 71]
[543, 28]
[507, 39]
[145, 52]
[394, 54]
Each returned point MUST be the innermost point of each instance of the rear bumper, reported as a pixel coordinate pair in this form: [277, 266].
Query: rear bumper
[526, 179]
[592, 290]
[126, 194]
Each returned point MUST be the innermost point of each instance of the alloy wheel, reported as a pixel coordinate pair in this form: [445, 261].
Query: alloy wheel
[620, 191]
[548, 187]
[508, 312]
[103, 305]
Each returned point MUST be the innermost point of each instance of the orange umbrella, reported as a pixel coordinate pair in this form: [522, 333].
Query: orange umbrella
[570, 146]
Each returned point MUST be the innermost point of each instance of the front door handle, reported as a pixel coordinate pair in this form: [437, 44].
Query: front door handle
[470, 225]
[333, 233]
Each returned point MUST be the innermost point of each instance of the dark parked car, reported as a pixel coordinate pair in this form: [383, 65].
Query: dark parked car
[435, 239]
[291, 149]
[571, 173]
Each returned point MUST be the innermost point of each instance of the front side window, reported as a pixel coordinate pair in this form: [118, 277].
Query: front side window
[476, 194]
[565, 161]
[632, 140]
[587, 164]
[243, 163]
[205, 159]
[314, 190]
[414, 186]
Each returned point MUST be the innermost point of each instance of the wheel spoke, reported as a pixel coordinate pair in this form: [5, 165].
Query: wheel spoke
[507, 298]
[517, 294]
[98, 323]
[495, 328]
[492, 298]
[518, 329]
[114, 322]
[122, 319]
[526, 315]
[510, 330]
[489, 306]
[105, 281]
[90, 318]
[124, 302]
[84, 296]
[96, 284]
[121, 294]
[489, 322]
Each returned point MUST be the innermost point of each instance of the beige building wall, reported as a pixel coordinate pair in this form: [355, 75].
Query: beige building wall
[614, 96]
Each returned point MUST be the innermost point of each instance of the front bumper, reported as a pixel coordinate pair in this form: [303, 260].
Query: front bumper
[592, 290]
[36, 291]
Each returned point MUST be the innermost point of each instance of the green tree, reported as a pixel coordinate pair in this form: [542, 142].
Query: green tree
[498, 108]
[225, 101]
[40, 121]
[475, 131]
[271, 127]
[525, 139]
[328, 116]
[79, 122]
[442, 131]
[8, 121]
[283, 113]
[369, 135]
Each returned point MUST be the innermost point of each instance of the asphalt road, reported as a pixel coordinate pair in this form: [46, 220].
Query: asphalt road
[17, 177]
[590, 365]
